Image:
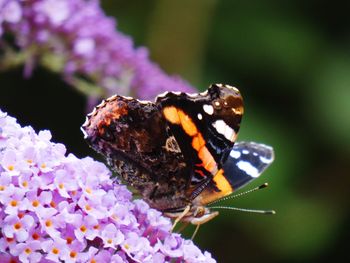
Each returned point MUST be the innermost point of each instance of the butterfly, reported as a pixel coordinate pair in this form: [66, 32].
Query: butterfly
[180, 151]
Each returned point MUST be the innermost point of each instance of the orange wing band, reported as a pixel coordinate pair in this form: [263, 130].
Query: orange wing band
[178, 117]
[209, 194]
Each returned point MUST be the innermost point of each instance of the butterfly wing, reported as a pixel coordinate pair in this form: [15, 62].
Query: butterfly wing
[205, 126]
[246, 161]
[135, 139]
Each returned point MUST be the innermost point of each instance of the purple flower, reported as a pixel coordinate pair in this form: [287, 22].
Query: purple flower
[54, 249]
[60, 208]
[173, 246]
[75, 38]
[111, 236]
[193, 254]
[10, 12]
[17, 227]
[27, 251]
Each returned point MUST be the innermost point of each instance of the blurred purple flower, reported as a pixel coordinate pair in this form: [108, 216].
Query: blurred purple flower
[75, 38]
[60, 208]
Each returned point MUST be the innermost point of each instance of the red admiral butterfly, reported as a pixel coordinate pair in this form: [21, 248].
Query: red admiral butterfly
[179, 152]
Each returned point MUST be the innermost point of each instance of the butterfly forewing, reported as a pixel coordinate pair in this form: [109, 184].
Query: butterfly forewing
[205, 125]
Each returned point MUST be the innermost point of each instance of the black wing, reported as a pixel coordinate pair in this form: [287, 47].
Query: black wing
[205, 125]
[247, 161]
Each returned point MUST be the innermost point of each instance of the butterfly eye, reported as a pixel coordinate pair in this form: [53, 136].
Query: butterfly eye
[199, 212]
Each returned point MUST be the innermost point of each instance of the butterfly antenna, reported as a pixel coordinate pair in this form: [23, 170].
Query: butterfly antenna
[265, 212]
[241, 194]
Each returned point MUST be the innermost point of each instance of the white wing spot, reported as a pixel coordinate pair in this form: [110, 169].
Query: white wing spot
[265, 160]
[235, 154]
[100, 105]
[84, 132]
[143, 101]
[229, 133]
[86, 123]
[222, 128]
[163, 94]
[208, 109]
[204, 93]
[199, 116]
[245, 151]
[192, 95]
[231, 87]
[112, 98]
[248, 168]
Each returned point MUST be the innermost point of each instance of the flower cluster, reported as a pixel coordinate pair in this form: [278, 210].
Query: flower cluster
[75, 38]
[55, 207]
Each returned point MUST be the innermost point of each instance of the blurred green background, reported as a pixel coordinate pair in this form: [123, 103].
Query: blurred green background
[291, 61]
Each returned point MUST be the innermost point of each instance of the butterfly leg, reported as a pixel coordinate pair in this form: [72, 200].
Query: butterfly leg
[195, 231]
[182, 215]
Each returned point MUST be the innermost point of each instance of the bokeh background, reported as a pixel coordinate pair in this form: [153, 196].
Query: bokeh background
[291, 61]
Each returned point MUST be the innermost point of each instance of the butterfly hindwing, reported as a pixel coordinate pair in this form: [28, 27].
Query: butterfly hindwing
[247, 161]
[133, 137]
